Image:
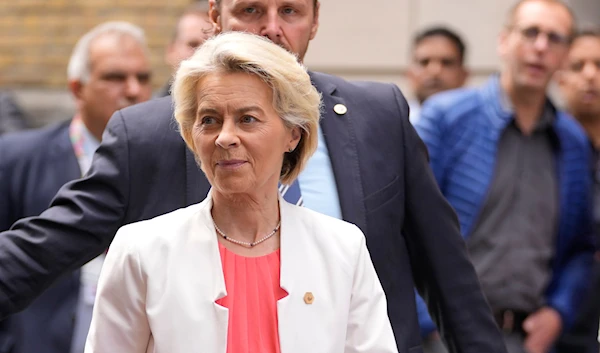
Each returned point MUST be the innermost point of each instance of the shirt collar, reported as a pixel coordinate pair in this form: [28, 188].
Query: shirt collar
[84, 142]
[546, 121]
[90, 142]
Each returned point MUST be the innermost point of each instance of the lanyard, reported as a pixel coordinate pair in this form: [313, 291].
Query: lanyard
[77, 137]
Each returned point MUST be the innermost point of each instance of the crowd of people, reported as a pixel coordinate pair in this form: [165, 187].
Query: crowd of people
[256, 206]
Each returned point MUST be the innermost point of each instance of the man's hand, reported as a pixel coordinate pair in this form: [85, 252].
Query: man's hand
[543, 328]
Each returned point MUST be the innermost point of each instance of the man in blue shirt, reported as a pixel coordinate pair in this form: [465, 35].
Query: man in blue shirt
[516, 170]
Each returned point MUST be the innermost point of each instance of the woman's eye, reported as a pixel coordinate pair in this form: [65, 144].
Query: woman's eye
[248, 119]
[207, 120]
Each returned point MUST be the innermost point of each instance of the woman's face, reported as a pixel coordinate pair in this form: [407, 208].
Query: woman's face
[239, 139]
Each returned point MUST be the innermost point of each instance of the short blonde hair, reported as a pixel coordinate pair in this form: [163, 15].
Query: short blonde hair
[295, 99]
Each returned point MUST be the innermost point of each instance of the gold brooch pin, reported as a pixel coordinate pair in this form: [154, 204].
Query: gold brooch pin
[309, 298]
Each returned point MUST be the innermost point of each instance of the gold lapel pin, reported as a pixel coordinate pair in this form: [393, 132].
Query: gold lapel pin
[340, 109]
[309, 298]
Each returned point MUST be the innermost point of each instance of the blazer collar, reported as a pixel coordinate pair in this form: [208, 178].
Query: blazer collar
[502, 112]
[296, 269]
[292, 248]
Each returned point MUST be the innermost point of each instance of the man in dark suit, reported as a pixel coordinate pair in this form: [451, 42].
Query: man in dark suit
[370, 169]
[108, 70]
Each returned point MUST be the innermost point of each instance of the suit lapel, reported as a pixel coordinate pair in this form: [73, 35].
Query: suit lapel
[340, 138]
[64, 158]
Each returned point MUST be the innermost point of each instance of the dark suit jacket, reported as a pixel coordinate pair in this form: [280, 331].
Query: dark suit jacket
[34, 165]
[11, 117]
[385, 186]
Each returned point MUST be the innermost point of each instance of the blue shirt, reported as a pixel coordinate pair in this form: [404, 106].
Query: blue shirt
[317, 182]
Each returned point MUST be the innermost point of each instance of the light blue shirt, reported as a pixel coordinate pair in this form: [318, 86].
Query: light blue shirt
[415, 109]
[317, 182]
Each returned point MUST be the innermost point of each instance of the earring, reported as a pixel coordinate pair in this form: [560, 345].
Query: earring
[291, 150]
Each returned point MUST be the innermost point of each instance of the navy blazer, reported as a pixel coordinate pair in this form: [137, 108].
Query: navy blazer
[11, 117]
[385, 185]
[34, 164]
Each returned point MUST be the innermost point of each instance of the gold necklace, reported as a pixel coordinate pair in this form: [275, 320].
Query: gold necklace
[244, 243]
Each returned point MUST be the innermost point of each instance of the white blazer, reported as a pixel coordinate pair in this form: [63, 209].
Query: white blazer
[161, 278]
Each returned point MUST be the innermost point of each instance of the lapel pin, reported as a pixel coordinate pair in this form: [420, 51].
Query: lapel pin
[340, 109]
[309, 298]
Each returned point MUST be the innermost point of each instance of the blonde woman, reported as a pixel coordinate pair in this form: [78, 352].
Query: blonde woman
[244, 270]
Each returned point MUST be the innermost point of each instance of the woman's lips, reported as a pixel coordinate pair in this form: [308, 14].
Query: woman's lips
[231, 163]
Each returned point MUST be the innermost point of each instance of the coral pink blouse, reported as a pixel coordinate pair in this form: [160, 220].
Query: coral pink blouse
[252, 293]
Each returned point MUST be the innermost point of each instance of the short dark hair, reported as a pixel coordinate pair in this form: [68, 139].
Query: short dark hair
[587, 32]
[515, 8]
[440, 31]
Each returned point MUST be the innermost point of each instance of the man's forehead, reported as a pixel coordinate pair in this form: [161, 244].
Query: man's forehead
[192, 19]
[585, 42]
[194, 26]
[585, 47]
[113, 42]
[527, 15]
[111, 55]
[268, 2]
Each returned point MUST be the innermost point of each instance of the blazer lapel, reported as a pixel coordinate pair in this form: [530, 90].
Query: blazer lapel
[293, 269]
[208, 258]
[63, 156]
[340, 138]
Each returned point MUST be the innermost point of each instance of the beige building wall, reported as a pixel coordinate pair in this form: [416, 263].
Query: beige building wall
[373, 42]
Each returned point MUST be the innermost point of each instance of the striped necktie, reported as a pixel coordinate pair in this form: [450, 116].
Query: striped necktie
[291, 193]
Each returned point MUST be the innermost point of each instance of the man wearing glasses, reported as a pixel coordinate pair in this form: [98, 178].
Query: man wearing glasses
[517, 172]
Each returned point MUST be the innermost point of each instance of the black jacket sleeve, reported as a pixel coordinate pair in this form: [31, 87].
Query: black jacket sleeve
[443, 273]
[79, 225]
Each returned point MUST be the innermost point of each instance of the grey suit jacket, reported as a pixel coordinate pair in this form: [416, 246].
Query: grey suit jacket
[385, 185]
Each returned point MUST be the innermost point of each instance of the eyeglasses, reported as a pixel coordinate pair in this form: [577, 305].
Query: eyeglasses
[531, 34]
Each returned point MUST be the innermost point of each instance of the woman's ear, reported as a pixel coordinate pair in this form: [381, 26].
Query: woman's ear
[296, 136]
